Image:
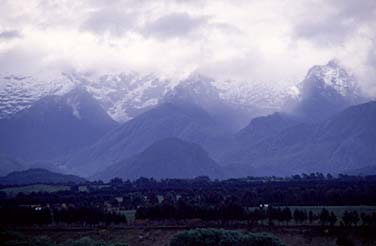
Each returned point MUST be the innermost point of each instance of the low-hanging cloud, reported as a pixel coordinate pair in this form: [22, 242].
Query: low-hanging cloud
[8, 35]
[174, 25]
[110, 20]
[333, 22]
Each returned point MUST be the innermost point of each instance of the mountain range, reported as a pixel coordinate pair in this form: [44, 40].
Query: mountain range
[125, 125]
[124, 96]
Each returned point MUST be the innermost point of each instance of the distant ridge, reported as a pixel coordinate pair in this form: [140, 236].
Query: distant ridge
[39, 176]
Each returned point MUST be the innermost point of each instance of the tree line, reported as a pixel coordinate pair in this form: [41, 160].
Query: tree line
[305, 190]
[17, 215]
[232, 212]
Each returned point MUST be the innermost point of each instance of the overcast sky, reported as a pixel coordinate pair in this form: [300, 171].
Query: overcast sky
[269, 40]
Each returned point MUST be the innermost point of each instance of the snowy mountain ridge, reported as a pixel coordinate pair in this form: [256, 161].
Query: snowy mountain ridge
[125, 95]
[19, 92]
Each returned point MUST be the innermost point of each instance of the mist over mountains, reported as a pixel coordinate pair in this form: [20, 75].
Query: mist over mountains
[132, 126]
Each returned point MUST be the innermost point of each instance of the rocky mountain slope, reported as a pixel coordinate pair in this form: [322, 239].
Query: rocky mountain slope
[185, 121]
[54, 126]
[346, 141]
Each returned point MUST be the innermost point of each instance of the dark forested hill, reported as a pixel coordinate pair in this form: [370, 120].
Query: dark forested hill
[38, 176]
[167, 158]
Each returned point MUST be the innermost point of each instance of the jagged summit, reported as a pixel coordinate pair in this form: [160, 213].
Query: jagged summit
[125, 95]
[335, 76]
[326, 89]
[197, 89]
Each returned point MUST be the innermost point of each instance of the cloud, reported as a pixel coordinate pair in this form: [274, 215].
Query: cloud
[8, 35]
[330, 23]
[322, 33]
[270, 40]
[174, 25]
[111, 20]
[20, 60]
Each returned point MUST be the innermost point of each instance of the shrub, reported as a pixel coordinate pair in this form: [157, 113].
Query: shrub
[214, 237]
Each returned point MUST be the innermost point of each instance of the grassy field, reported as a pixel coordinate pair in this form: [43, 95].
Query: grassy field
[292, 236]
[13, 191]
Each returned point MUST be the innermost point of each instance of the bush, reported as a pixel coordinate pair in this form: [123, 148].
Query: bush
[214, 237]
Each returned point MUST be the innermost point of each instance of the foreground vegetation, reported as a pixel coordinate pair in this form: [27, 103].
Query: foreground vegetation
[212, 237]
[162, 237]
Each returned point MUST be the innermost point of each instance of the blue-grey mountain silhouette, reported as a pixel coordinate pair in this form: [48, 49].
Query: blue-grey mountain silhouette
[54, 126]
[185, 121]
[346, 141]
[166, 158]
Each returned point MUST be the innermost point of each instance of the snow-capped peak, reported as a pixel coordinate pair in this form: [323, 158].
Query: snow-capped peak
[125, 95]
[335, 76]
[326, 89]
[18, 92]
